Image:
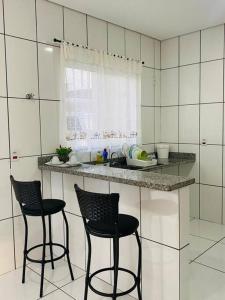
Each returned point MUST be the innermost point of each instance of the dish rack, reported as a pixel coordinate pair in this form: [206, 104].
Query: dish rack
[141, 163]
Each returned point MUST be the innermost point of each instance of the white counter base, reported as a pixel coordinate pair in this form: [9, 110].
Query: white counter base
[164, 221]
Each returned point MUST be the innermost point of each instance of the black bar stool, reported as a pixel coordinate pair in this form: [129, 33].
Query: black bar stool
[28, 194]
[102, 219]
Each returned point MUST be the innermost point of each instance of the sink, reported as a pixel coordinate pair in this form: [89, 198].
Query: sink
[120, 163]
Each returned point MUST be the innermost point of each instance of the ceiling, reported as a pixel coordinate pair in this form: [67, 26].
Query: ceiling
[157, 18]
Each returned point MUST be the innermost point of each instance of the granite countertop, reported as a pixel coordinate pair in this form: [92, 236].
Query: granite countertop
[139, 178]
[175, 159]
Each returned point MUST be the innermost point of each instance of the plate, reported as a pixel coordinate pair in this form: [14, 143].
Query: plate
[125, 149]
[49, 163]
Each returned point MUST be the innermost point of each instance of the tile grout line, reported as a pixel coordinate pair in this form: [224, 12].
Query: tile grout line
[9, 138]
[201, 253]
[60, 288]
[178, 149]
[87, 34]
[204, 238]
[63, 21]
[154, 94]
[195, 63]
[190, 104]
[38, 87]
[208, 249]
[222, 213]
[57, 288]
[199, 129]
[168, 246]
[196, 262]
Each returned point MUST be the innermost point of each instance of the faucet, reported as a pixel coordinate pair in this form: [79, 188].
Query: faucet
[114, 153]
[114, 162]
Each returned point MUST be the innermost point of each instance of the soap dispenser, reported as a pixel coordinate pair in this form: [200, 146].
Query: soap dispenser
[105, 154]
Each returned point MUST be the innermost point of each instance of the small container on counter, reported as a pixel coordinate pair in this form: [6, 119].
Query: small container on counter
[105, 154]
[99, 157]
[163, 151]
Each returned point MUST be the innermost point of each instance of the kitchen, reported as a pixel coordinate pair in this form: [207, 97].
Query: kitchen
[179, 88]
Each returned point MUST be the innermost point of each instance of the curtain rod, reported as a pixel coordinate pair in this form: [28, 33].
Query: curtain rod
[55, 40]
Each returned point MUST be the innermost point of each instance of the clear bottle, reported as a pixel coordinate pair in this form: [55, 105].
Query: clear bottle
[99, 157]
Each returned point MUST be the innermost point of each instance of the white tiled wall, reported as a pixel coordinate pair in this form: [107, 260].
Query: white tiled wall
[192, 110]
[21, 60]
[169, 53]
[132, 44]
[20, 18]
[147, 51]
[49, 21]
[190, 48]
[169, 85]
[97, 41]
[48, 77]
[212, 43]
[31, 65]
[75, 27]
[2, 69]
[4, 145]
[1, 18]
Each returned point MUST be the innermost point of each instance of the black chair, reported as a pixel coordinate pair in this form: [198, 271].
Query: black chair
[28, 194]
[102, 219]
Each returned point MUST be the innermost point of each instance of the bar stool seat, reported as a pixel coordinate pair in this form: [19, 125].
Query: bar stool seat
[127, 225]
[28, 194]
[50, 207]
[101, 218]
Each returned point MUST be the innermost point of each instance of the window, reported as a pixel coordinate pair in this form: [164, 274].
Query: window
[101, 101]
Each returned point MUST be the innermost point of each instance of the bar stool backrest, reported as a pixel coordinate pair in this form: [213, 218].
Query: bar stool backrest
[28, 193]
[98, 207]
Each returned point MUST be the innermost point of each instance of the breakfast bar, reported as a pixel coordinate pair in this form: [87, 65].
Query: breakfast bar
[159, 201]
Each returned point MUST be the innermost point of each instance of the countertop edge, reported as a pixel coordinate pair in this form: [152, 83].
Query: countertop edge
[143, 184]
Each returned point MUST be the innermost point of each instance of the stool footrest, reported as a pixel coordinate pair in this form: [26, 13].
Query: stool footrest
[46, 260]
[110, 295]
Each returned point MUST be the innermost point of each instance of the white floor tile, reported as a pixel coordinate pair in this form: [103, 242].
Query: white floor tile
[76, 289]
[6, 247]
[12, 288]
[206, 283]
[57, 295]
[207, 230]
[198, 245]
[206, 277]
[60, 275]
[214, 257]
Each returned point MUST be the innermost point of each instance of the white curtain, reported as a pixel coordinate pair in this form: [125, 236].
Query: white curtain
[101, 99]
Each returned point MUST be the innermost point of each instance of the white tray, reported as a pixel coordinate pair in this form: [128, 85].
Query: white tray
[141, 163]
[63, 165]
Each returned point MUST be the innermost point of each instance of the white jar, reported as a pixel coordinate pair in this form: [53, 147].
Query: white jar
[163, 151]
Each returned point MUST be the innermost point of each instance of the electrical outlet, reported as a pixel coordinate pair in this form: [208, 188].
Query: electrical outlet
[204, 142]
[14, 156]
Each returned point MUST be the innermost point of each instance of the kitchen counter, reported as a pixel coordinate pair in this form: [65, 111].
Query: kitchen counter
[161, 204]
[175, 159]
[143, 178]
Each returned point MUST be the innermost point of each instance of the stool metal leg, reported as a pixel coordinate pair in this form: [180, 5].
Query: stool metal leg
[50, 240]
[25, 249]
[67, 245]
[116, 264]
[139, 266]
[43, 257]
[88, 266]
